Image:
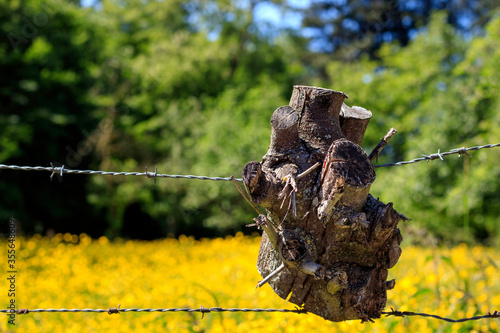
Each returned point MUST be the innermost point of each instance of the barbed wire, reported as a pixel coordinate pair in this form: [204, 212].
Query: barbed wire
[459, 151]
[60, 170]
[117, 310]
[494, 314]
[203, 310]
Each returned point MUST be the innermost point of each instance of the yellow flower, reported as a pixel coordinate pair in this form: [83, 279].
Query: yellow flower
[70, 271]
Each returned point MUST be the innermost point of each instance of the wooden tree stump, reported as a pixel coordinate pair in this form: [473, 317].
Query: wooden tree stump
[335, 241]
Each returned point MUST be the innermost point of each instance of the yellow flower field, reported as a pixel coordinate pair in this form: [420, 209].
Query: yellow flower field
[70, 271]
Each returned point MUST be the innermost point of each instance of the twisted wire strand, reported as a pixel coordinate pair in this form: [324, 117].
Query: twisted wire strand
[203, 310]
[494, 314]
[62, 170]
[118, 310]
[59, 171]
[459, 151]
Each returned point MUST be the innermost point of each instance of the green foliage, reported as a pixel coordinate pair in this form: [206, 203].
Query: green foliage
[349, 29]
[191, 105]
[190, 87]
[433, 92]
[46, 55]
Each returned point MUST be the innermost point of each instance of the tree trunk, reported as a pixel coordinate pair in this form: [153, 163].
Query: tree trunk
[336, 241]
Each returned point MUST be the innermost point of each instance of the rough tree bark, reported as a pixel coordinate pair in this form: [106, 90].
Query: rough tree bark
[335, 240]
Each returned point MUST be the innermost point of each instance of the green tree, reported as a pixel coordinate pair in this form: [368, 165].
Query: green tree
[190, 86]
[435, 92]
[195, 105]
[47, 53]
[349, 29]
[124, 85]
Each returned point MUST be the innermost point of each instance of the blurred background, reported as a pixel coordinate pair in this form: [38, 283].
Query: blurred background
[190, 87]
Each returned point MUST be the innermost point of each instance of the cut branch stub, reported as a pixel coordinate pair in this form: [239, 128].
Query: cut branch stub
[319, 111]
[354, 121]
[284, 130]
[335, 240]
[345, 179]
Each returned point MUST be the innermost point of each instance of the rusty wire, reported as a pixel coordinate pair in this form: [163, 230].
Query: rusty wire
[203, 310]
[59, 171]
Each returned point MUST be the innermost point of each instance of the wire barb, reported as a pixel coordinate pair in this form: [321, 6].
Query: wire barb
[22, 311]
[114, 310]
[148, 174]
[54, 170]
[461, 151]
[203, 310]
